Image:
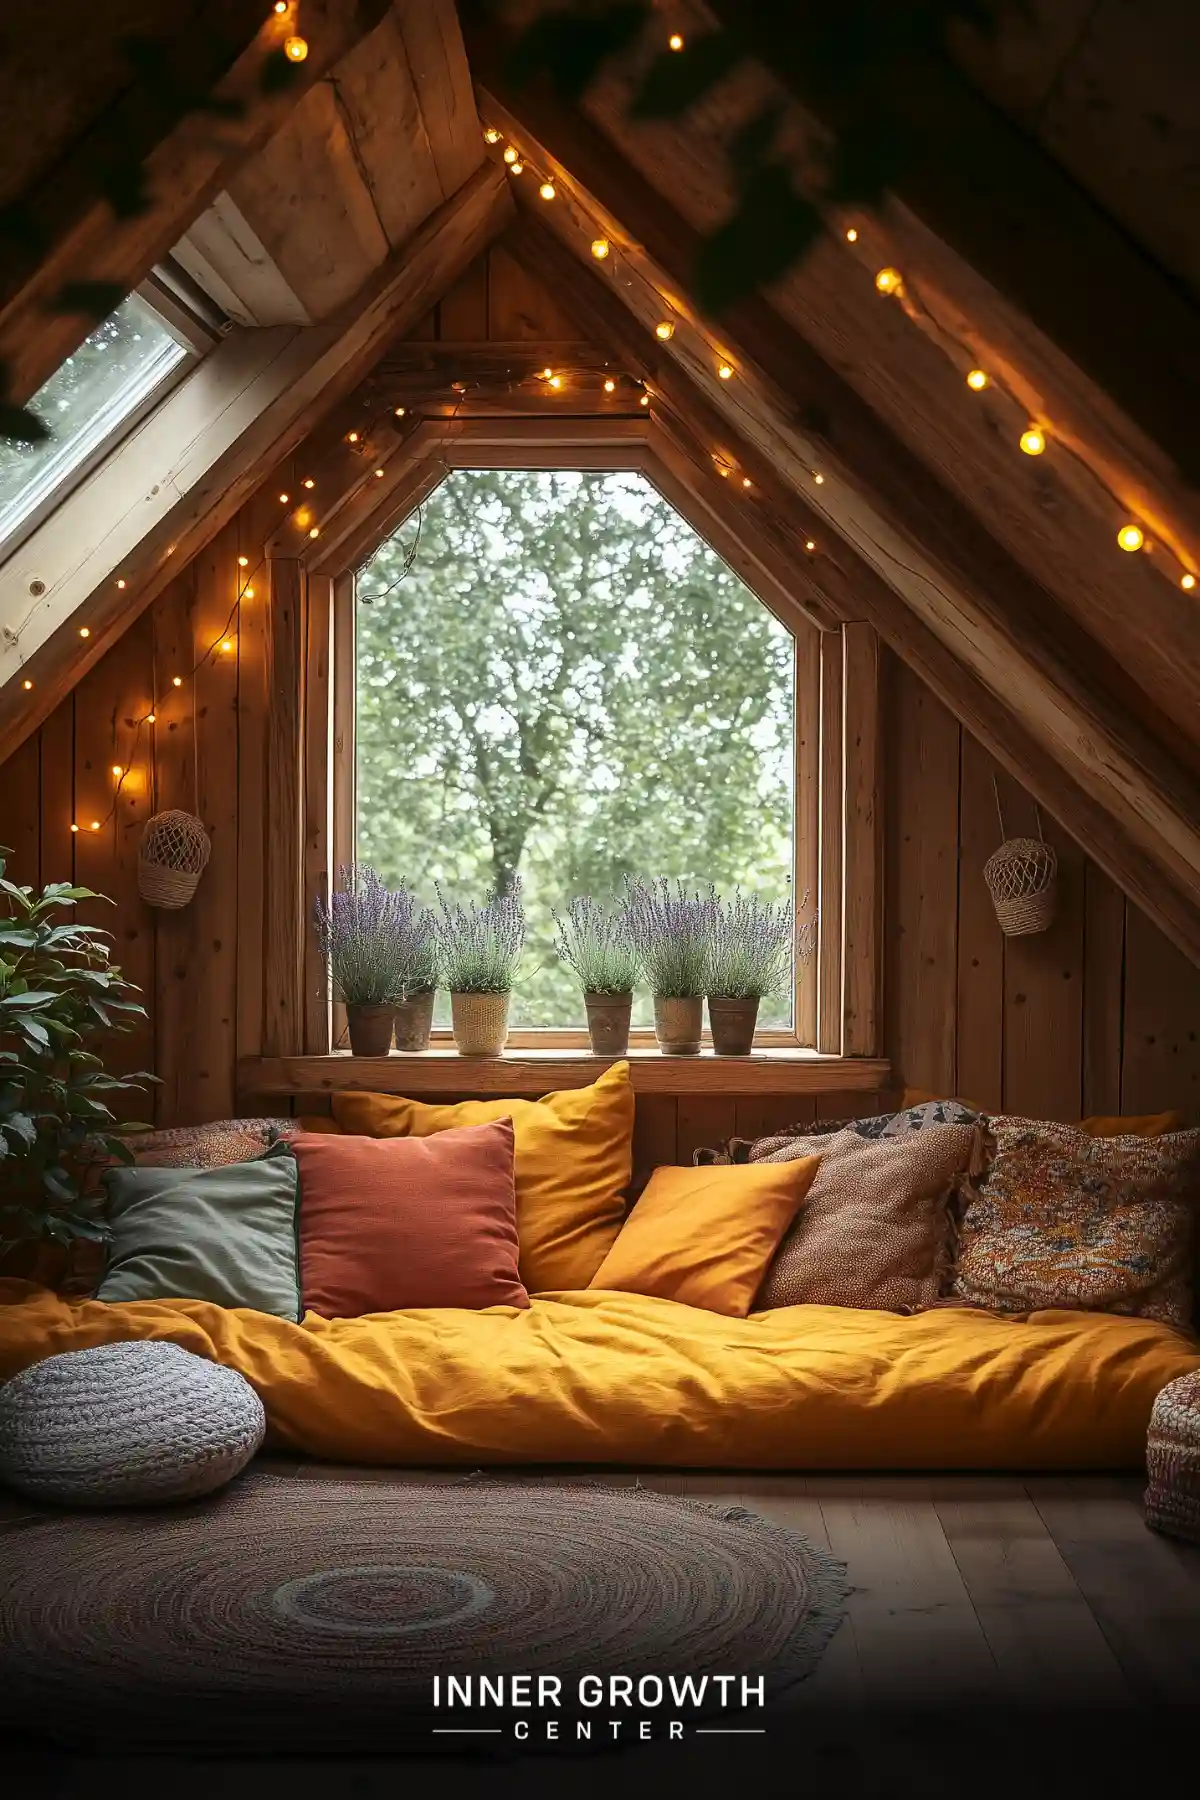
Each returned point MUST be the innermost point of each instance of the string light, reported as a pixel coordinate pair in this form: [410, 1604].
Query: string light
[352, 437]
[819, 479]
[120, 581]
[226, 646]
[283, 499]
[151, 718]
[491, 135]
[889, 281]
[243, 561]
[664, 330]
[600, 248]
[809, 545]
[1185, 581]
[95, 825]
[851, 235]
[315, 532]
[610, 385]
[1131, 537]
[399, 412]
[556, 381]
[74, 827]
[547, 190]
[247, 593]
[379, 474]
[675, 41]
[1033, 441]
[177, 681]
[746, 481]
[511, 154]
[645, 400]
[978, 379]
[118, 770]
[296, 49]
[725, 371]
[546, 374]
[281, 6]
[308, 482]
[84, 631]
[27, 685]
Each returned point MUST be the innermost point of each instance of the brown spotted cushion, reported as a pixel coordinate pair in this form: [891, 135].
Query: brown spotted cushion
[1064, 1219]
[213, 1146]
[875, 1125]
[876, 1228]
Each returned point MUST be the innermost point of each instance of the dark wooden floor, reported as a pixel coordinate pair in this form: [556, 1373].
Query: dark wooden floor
[1031, 1625]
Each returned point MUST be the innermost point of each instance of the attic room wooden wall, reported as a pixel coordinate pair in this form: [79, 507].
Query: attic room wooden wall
[1100, 1014]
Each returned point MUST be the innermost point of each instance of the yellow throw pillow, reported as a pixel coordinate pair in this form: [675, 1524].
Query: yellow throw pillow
[1137, 1125]
[706, 1236]
[574, 1157]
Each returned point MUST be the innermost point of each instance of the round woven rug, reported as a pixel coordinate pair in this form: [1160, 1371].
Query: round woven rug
[290, 1612]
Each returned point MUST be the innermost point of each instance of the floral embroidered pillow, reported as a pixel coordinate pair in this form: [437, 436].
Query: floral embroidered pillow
[1063, 1219]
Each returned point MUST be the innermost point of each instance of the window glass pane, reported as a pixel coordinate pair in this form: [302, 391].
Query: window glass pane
[569, 685]
[83, 403]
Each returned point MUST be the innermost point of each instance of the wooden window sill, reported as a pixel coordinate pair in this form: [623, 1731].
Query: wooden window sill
[520, 1071]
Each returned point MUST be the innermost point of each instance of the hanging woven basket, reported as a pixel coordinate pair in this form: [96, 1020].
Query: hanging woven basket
[175, 849]
[1022, 880]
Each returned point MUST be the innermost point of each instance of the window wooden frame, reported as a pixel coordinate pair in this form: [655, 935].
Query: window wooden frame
[837, 845]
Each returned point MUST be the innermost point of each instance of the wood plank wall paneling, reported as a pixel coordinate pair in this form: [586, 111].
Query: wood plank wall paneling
[1100, 1014]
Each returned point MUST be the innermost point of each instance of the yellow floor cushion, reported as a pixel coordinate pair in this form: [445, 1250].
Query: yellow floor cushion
[600, 1377]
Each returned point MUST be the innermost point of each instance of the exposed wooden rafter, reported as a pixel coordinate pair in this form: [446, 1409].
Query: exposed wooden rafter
[177, 479]
[183, 170]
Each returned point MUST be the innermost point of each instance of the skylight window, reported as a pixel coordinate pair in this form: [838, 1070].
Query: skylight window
[85, 404]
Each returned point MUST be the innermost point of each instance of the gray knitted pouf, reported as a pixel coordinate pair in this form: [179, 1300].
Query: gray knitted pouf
[126, 1424]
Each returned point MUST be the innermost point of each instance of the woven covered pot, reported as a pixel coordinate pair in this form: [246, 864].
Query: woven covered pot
[174, 853]
[1173, 1459]
[480, 1023]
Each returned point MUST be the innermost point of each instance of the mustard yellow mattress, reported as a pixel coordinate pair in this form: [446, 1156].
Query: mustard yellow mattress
[603, 1377]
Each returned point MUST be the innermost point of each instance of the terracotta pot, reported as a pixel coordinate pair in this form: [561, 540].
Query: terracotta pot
[480, 1023]
[678, 1025]
[608, 1022]
[370, 1029]
[733, 1023]
[414, 1020]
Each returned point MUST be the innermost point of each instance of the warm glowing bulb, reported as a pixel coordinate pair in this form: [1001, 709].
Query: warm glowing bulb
[809, 545]
[296, 49]
[1033, 441]
[352, 437]
[120, 581]
[379, 474]
[399, 414]
[510, 155]
[491, 135]
[243, 561]
[1185, 581]
[516, 168]
[600, 248]
[546, 374]
[1131, 537]
[645, 400]
[283, 499]
[977, 379]
[722, 468]
[675, 41]
[74, 828]
[556, 381]
[84, 631]
[315, 532]
[117, 769]
[95, 826]
[281, 6]
[746, 481]
[150, 718]
[177, 681]
[309, 482]
[664, 330]
[547, 190]
[610, 385]
[28, 684]
[818, 479]
[888, 281]
[852, 236]
[725, 371]
[226, 645]
[248, 593]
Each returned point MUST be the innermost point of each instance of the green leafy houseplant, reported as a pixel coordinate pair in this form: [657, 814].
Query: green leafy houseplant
[60, 993]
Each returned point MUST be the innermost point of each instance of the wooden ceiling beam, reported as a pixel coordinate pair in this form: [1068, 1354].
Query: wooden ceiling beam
[1164, 884]
[988, 189]
[169, 487]
[183, 171]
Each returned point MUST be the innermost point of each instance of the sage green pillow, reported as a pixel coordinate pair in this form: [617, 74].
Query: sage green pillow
[227, 1235]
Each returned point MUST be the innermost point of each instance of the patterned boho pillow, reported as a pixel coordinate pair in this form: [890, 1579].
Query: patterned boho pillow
[1064, 1219]
[215, 1146]
[874, 1127]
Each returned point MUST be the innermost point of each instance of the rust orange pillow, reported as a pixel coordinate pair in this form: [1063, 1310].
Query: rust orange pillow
[574, 1152]
[388, 1224]
[706, 1236]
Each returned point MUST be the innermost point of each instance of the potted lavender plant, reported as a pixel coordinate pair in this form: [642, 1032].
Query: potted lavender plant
[417, 973]
[750, 957]
[479, 948]
[359, 931]
[671, 930]
[593, 941]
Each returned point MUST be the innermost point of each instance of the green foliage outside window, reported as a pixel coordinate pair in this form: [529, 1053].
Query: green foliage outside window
[568, 686]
